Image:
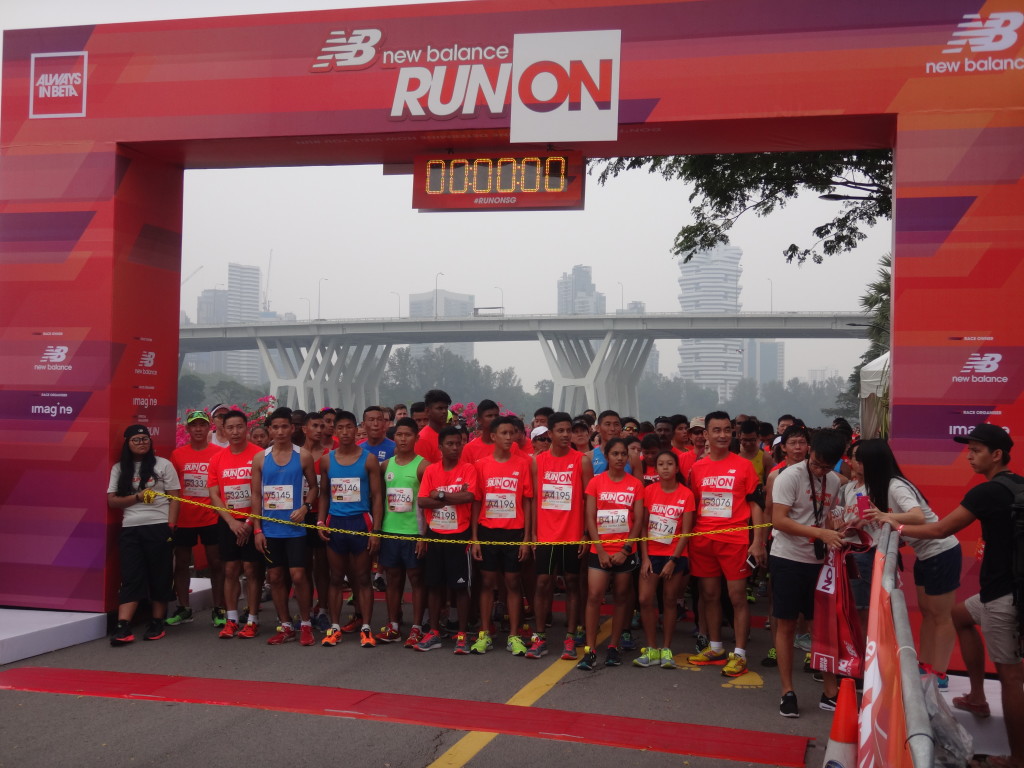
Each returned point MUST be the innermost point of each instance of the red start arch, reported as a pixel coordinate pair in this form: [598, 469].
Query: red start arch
[100, 122]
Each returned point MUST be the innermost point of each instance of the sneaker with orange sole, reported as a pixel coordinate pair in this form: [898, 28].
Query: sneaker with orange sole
[229, 631]
[251, 629]
[366, 639]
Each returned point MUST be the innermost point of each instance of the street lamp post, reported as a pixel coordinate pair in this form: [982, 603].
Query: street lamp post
[771, 295]
[309, 308]
[502, 294]
[398, 303]
[439, 274]
[319, 315]
[622, 297]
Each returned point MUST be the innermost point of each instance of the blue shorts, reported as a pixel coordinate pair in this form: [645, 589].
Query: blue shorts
[940, 574]
[658, 562]
[399, 553]
[347, 543]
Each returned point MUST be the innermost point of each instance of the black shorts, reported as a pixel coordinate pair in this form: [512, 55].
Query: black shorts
[287, 553]
[500, 557]
[189, 537]
[229, 549]
[558, 558]
[658, 562]
[631, 564]
[313, 539]
[147, 559]
[446, 564]
[940, 574]
[399, 553]
[793, 586]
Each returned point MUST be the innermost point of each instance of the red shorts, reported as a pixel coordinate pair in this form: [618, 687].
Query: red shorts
[712, 556]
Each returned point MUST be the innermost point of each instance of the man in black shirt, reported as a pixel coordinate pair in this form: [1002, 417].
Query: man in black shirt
[988, 453]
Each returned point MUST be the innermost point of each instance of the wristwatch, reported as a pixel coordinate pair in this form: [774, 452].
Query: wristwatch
[440, 495]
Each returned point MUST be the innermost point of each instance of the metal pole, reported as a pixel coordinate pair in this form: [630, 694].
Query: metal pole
[622, 297]
[439, 274]
[319, 315]
[771, 295]
[502, 294]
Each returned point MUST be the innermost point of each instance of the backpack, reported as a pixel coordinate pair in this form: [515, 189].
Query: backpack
[1015, 485]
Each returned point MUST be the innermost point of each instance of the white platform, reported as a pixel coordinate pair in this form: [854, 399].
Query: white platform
[989, 732]
[25, 633]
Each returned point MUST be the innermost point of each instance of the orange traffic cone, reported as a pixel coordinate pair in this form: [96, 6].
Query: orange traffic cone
[842, 740]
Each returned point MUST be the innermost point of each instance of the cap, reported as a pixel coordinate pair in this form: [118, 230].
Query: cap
[537, 432]
[697, 423]
[580, 424]
[196, 416]
[217, 407]
[990, 435]
[136, 429]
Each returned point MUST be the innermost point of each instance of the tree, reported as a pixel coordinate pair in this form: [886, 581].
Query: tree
[727, 186]
[191, 391]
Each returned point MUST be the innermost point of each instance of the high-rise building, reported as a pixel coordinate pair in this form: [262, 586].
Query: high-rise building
[443, 304]
[654, 357]
[577, 294]
[243, 308]
[764, 361]
[211, 309]
[710, 283]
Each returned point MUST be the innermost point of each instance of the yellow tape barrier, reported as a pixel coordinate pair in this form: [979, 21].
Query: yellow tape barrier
[149, 495]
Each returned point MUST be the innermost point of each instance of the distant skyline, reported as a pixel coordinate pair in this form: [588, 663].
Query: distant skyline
[355, 227]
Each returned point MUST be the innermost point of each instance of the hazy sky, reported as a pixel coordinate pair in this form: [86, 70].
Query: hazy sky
[355, 227]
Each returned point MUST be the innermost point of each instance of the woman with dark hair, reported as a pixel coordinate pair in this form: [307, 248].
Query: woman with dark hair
[937, 570]
[144, 543]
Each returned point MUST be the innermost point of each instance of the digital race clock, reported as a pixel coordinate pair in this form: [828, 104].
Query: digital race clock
[501, 181]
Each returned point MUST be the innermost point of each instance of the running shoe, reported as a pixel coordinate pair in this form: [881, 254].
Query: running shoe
[569, 648]
[942, 681]
[736, 666]
[415, 635]
[332, 638]
[751, 597]
[122, 635]
[827, 703]
[818, 676]
[612, 657]
[634, 623]
[322, 621]
[626, 642]
[516, 646]
[526, 634]
[771, 660]
[589, 660]
[354, 625]
[702, 642]
[220, 617]
[284, 635]
[788, 706]
[250, 630]
[230, 630]
[155, 630]
[709, 656]
[388, 634]
[483, 643]
[807, 663]
[461, 645]
[306, 634]
[366, 639]
[579, 638]
[181, 616]
[649, 657]
[803, 642]
[379, 585]
[430, 641]
[668, 660]
[538, 647]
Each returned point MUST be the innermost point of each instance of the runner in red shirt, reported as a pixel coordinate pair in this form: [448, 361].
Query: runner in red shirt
[230, 486]
[195, 524]
[724, 485]
[446, 496]
[503, 512]
[486, 412]
[614, 512]
[667, 505]
[427, 442]
[558, 484]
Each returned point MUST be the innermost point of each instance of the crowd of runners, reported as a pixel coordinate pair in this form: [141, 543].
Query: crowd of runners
[471, 536]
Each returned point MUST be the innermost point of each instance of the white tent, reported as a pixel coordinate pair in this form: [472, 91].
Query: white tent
[874, 398]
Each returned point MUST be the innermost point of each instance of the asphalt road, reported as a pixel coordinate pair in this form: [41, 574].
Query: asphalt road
[45, 729]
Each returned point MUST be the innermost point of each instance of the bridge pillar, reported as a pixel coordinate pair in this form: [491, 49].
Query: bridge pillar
[324, 372]
[602, 378]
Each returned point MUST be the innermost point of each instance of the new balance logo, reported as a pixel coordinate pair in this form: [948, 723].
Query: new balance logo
[54, 354]
[978, 363]
[975, 34]
[347, 51]
[146, 359]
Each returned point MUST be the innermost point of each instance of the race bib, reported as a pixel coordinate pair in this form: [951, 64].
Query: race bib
[278, 497]
[195, 484]
[445, 520]
[662, 529]
[716, 504]
[400, 499]
[238, 496]
[346, 490]
[612, 521]
[500, 506]
[556, 497]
